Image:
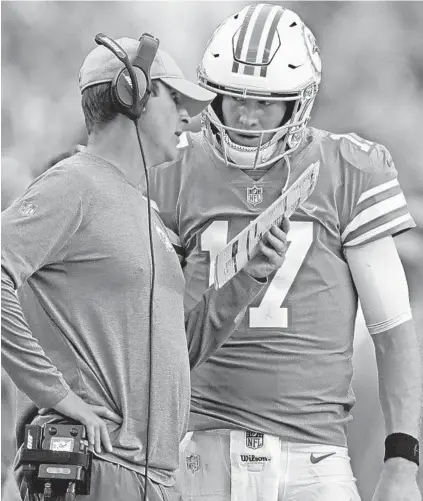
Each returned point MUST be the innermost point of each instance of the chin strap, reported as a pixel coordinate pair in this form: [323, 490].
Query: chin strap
[245, 155]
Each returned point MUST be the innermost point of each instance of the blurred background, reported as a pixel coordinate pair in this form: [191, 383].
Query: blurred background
[372, 85]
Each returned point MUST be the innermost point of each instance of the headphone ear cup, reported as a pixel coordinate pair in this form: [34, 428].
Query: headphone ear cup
[122, 91]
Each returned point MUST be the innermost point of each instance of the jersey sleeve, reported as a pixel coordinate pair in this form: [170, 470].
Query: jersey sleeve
[375, 206]
[39, 224]
[35, 229]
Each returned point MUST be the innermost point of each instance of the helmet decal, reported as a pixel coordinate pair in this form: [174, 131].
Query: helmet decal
[255, 39]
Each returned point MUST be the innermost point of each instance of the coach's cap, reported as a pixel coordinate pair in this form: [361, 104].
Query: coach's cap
[101, 65]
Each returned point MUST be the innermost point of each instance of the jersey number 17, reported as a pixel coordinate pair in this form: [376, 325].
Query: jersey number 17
[269, 313]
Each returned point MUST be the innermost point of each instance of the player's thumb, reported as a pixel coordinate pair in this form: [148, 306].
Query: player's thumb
[286, 224]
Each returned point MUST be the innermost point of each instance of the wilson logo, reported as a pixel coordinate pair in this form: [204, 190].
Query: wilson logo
[254, 459]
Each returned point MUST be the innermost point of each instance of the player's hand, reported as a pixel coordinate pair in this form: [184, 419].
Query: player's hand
[398, 482]
[91, 416]
[270, 252]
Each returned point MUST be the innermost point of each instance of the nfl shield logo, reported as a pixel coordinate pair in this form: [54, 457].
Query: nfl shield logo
[193, 463]
[253, 440]
[255, 195]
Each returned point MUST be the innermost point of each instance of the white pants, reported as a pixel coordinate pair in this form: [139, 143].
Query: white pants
[223, 465]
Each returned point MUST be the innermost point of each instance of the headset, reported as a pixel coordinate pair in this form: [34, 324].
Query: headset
[131, 89]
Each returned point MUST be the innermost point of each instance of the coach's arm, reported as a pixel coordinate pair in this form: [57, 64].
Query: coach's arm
[219, 312]
[382, 288]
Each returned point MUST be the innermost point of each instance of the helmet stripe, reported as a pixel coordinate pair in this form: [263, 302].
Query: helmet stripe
[254, 41]
[261, 58]
[241, 38]
[269, 41]
[249, 34]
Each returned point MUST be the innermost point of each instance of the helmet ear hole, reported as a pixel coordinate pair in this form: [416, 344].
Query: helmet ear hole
[290, 105]
[216, 105]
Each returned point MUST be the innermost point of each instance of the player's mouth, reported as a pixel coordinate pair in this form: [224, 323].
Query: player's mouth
[247, 139]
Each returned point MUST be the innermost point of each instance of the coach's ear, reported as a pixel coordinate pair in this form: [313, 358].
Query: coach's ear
[155, 90]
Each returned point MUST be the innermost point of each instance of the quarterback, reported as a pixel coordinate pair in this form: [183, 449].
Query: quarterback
[270, 409]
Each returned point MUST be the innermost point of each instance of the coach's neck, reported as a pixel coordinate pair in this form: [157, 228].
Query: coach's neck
[116, 142]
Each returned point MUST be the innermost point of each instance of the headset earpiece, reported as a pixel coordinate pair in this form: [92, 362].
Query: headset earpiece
[131, 87]
[122, 93]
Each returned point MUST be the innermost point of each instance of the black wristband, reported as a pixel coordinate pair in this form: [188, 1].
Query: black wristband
[401, 445]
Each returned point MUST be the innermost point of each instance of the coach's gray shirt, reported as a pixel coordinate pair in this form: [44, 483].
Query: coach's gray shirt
[79, 238]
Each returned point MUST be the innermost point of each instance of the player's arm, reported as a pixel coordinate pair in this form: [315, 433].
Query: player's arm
[219, 312]
[382, 288]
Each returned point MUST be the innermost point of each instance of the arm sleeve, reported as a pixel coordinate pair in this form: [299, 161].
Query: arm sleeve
[218, 314]
[381, 284]
[375, 204]
[35, 231]
[22, 357]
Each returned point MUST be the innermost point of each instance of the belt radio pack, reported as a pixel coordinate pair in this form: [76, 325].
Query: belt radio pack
[56, 460]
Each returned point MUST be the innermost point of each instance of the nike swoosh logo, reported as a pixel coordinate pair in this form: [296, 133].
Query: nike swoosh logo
[316, 459]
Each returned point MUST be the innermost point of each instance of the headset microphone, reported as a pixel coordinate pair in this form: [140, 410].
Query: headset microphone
[130, 90]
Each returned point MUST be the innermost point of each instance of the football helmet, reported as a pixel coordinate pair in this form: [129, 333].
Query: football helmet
[263, 52]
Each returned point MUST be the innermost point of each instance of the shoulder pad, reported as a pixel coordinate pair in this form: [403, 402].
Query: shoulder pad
[361, 153]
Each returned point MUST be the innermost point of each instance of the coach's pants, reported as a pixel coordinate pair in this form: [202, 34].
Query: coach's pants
[219, 465]
[111, 482]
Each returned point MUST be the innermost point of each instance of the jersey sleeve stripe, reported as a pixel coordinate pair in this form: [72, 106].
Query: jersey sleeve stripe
[375, 198]
[374, 223]
[375, 211]
[378, 189]
[392, 227]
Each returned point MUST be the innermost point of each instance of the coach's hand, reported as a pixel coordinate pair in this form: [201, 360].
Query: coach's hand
[270, 252]
[89, 415]
[398, 482]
